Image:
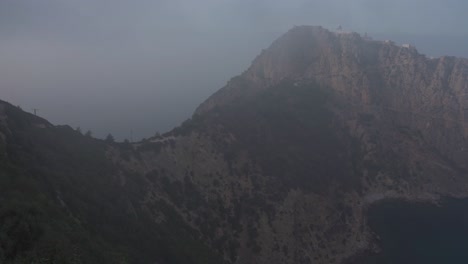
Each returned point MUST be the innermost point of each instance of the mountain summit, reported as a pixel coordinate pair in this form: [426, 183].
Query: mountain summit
[279, 166]
[430, 94]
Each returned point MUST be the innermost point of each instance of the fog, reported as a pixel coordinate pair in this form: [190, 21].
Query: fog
[115, 66]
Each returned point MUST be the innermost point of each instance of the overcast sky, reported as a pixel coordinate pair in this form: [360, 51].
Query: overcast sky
[144, 65]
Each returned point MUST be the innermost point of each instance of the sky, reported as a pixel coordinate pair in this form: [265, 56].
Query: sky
[143, 66]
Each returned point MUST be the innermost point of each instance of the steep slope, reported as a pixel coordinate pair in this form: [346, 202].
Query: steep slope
[429, 95]
[62, 200]
[321, 126]
[287, 181]
[279, 166]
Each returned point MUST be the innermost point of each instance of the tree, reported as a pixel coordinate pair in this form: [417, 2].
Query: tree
[89, 134]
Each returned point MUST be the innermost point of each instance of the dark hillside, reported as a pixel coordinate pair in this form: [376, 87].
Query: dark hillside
[63, 202]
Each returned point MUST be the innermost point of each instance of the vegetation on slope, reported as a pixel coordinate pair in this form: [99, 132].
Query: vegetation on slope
[61, 201]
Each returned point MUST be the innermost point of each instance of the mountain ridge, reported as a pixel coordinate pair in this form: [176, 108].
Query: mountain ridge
[279, 166]
[349, 49]
[342, 70]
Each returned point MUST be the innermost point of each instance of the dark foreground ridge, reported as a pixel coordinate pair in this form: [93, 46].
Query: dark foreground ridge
[279, 166]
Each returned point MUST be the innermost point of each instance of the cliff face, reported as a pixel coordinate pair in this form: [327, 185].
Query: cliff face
[279, 166]
[319, 127]
[428, 95]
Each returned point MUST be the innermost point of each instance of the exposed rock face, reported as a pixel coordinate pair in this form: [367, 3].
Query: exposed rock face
[428, 95]
[399, 120]
[281, 164]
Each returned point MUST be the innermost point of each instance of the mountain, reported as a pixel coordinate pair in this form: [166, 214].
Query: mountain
[279, 166]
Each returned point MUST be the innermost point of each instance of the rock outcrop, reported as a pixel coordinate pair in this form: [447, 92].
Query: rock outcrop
[399, 119]
[429, 95]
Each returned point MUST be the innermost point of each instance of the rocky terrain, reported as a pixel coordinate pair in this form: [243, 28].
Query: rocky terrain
[279, 166]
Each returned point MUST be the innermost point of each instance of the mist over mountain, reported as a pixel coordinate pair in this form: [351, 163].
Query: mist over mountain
[281, 165]
[83, 62]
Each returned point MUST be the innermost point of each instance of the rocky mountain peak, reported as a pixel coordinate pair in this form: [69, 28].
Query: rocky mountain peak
[430, 95]
[294, 54]
[354, 66]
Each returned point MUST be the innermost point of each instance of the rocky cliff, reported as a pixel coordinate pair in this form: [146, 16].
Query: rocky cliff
[333, 123]
[281, 164]
[430, 95]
